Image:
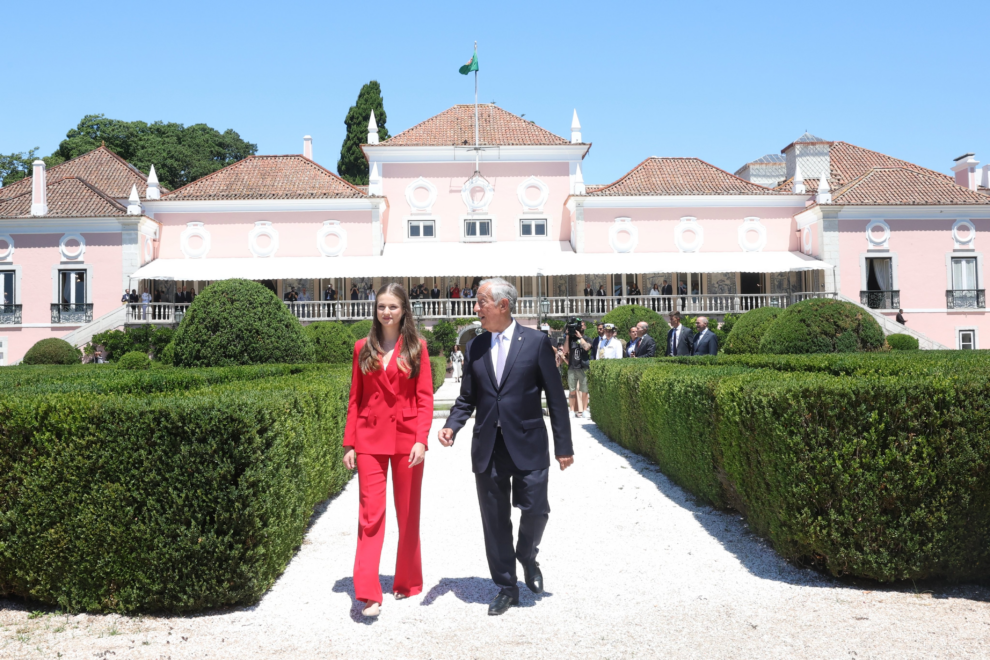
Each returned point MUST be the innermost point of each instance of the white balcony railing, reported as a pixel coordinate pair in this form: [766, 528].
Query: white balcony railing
[560, 307]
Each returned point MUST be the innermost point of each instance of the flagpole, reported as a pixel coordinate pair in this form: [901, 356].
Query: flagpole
[476, 152]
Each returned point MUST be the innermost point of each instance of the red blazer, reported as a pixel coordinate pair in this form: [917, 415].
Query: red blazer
[388, 411]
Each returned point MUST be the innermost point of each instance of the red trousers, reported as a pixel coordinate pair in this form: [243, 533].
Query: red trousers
[406, 486]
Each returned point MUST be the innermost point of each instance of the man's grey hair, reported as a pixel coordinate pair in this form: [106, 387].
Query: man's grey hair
[499, 290]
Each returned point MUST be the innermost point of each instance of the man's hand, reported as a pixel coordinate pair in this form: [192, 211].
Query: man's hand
[446, 436]
[565, 462]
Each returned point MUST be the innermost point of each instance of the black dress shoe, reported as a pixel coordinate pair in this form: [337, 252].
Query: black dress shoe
[534, 577]
[501, 604]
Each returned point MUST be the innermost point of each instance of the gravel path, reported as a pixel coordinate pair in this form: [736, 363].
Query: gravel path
[633, 568]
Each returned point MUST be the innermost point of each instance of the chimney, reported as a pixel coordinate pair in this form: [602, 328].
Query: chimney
[39, 190]
[965, 169]
[134, 202]
[824, 195]
[985, 176]
[798, 188]
[154, 190]
[575, 129]
[812, 153]
[308, 147]
[372, 129]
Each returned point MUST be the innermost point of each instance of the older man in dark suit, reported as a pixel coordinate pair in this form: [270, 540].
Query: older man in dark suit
[705, 342]
[645, 344]
[505, 370]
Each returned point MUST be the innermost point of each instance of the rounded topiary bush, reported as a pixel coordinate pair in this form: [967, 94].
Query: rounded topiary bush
[626, 316]
[902, 342]
[360, 329]
[167, 356]
[332, 342]
[748, 330]
[235, 322]
[134, 360]
[822, 325]
[52, 351]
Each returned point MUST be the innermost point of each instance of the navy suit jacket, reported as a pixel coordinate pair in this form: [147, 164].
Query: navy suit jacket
[515, 404]
[707, 345]
[685, 343]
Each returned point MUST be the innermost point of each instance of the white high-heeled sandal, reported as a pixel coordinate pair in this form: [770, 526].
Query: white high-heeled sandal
[371, 610]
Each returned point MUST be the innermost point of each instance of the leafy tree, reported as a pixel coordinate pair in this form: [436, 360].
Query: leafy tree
[352, 165]
[180, 154]
[16, 166]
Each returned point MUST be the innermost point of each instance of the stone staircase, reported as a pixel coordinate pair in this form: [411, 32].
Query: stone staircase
[890, 327]
[82, 335]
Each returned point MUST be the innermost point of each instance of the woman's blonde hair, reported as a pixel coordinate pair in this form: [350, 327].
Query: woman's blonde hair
[370, 357]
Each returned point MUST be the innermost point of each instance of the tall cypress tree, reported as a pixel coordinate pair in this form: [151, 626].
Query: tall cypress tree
[352, 165]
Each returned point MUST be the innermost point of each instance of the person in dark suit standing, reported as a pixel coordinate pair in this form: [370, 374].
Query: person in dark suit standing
[435, 295]
[505, 369]
[705, 342]
[666, 290]
[680, 340]
[589, 293]
[601, 303]
[597, 341]
[646, 346]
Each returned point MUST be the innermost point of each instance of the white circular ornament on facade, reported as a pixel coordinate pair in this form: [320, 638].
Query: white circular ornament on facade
[689, 223]
[752, 225]
[873, 240]
[6, 253]
[72, 252]
[263, 228]
[149, 249]
[528, 203]
[806, 239]
[195, 229]
[421, 206]
[477, 183]
[623, 226]
[331, 228]
[964, 243]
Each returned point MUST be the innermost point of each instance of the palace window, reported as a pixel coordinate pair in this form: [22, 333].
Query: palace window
[7, 293]
[533, 227]
[72, 287]
[478, 229]
[422, 229]
[967, 339]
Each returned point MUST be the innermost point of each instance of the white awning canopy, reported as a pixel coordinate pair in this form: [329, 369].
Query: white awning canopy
[524, 258]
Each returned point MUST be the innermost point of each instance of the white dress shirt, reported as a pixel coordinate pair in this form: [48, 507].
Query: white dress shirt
[506, 344]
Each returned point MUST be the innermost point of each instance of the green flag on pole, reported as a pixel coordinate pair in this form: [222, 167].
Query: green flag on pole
[472, 64]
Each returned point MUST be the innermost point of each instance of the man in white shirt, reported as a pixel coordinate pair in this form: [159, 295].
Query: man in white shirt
[609, 348]
[680, 340]
[145, 299]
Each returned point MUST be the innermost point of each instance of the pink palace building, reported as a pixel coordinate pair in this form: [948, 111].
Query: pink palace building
[819, 219]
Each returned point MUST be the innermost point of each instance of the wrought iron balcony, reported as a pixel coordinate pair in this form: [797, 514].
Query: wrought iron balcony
[10, 315]
[880, 299]
[966, 299]
[72, 313]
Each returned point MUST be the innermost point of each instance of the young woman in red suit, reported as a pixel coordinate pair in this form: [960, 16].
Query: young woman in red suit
[388, 421]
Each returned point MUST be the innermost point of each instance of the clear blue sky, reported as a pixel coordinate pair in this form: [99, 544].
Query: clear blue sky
[723, 81]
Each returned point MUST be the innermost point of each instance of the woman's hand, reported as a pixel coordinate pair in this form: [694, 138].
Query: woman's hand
[417, 454]
[350, 458]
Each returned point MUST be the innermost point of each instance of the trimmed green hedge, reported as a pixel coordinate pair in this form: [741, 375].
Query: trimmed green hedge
[360, 329]
[748, 330]
[178, 501]
[902, 342]
[134, 360]
[52, 351]
[822, 325]
[438, 369]
[236, 322]
[332, 342]
[626, 316]
[871, 465]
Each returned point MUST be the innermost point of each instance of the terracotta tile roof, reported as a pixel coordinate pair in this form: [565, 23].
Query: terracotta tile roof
[455, 127]
[901, 186]
[100, 167]
[68, 197]
[268, 177]
[679, 176]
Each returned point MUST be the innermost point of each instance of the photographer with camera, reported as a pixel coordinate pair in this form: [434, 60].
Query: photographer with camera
[577, 357]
